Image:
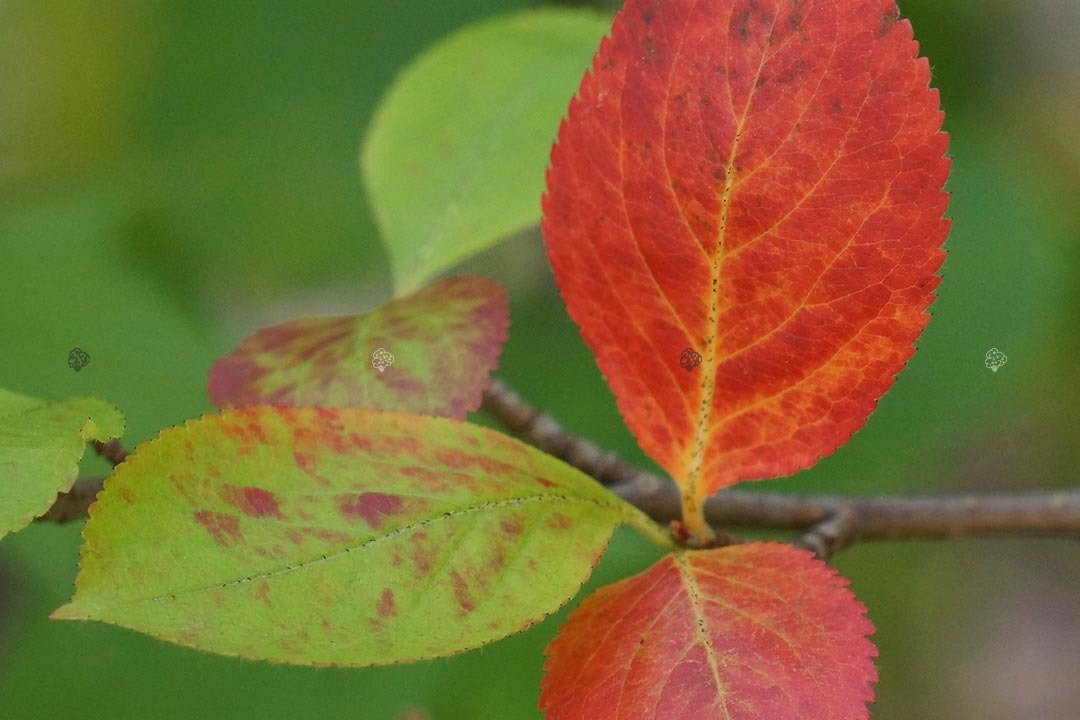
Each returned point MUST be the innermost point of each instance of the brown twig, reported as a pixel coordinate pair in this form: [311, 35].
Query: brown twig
[828, 522]
[542, 431]
[112, 451]
[74, 504]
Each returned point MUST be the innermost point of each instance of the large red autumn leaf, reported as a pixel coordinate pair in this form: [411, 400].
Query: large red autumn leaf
[761, 631]
[429, 352]
[744, 216]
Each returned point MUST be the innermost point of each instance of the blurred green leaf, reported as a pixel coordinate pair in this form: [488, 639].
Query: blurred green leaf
[455, 157]
[40, 447]
[72, 77]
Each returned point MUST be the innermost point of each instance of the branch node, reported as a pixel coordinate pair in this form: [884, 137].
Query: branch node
[112, 451]
[830, 535]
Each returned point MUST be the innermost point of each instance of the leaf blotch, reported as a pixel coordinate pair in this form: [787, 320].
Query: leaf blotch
[262, 591]
[385, 605]
[430, 479]
[421, 553]
[372, 507]
[558, 521]
[252, 501]
[461, 592]
[511, 527]
[741, 27]
[888, 20]
[460, 461]
[224, 529]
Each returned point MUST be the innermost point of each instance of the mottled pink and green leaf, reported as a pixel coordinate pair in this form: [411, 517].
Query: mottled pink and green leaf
[445, 338]
[41, 444]
[343, 537]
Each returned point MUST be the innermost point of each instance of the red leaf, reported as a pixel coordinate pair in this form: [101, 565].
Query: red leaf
[757, 182]
[445, 340]
[761, 631]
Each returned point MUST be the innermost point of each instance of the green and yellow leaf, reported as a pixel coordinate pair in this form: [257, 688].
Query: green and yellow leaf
[41, 444]
[339, 537]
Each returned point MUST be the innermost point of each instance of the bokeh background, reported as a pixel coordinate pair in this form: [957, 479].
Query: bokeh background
[174, 175]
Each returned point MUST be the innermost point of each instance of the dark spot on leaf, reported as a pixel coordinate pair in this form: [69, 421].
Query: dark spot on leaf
[224, 529]
[360, 442]
[511, 527]
[252, 501]
[742, 27]
[836, 105]
[545, 483]
[428, 478]
[334, 441]
[559, 521]
[421, 553]
[309, 465]
[399, 445]
[385, 605]
[887, 21]
[461, 593]
[370, 507]
[263, 592]
[459, 460]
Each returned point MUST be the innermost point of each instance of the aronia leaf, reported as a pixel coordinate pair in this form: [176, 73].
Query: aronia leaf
[431, 352]
[744, 216]
[41, 444]
[454, 159]
[338, 537]
[747, 632]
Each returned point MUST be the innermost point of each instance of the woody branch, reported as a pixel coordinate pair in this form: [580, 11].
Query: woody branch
[826, 523]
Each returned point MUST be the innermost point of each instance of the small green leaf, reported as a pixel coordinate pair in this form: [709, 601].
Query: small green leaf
[41, 444]
[455, 156]
[431, 352]
[338, 537]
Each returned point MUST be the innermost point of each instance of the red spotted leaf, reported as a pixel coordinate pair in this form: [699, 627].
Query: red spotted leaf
[430, 352]
[339, 537]
[744, 216]
[761, 631]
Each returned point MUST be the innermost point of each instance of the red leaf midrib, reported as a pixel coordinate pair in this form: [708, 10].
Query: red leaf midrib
[692, 595]
[694, 464]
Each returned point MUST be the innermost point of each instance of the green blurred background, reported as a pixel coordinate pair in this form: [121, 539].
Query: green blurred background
[174, 175]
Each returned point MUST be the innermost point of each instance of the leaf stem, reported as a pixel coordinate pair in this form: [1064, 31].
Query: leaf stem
[693, 516]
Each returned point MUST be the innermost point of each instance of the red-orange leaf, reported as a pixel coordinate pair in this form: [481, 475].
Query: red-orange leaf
[744, 215]
[761, 631]
[430, 352]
